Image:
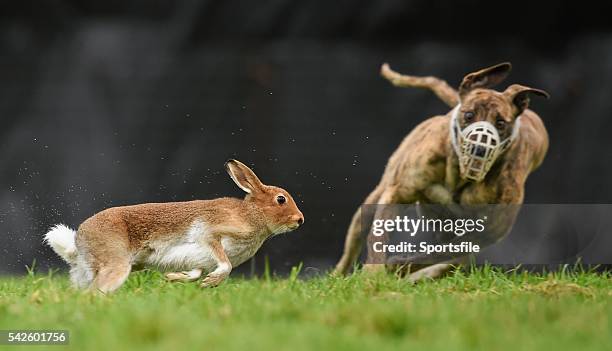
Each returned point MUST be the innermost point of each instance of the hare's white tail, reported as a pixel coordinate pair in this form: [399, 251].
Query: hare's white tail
[61, 239]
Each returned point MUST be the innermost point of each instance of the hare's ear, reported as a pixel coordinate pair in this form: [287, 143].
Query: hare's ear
[243, 176]
[485, 78]
[519, 95]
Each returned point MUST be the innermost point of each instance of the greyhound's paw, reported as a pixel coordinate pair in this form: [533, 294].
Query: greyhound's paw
[374, 268]
[430, 273]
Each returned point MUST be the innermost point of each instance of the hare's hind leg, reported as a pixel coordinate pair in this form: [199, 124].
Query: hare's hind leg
[81, 274]
[185, 276]
[112, 276]
[108, 254]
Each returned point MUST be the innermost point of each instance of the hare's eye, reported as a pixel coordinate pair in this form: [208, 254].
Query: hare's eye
[281, 199]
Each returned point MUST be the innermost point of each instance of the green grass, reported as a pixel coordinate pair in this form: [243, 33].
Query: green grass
[481, 310]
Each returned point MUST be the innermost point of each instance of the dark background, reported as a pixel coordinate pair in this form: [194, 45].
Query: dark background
[108, 103]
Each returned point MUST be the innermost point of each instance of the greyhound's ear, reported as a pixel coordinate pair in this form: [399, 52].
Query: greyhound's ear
[485, 78]
[519, 95]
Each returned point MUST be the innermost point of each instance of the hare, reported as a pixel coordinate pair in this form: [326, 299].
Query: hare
[185, 238]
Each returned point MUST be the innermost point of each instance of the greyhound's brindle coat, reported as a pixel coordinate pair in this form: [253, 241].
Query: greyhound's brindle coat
[424, 168]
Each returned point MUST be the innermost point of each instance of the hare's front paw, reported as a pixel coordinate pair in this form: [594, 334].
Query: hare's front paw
[213, 279]
[185, 276]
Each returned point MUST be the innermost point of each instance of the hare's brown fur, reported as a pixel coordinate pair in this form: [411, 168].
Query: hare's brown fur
[199, 236]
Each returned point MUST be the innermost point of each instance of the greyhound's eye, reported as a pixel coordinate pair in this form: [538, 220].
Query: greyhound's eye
[500, 123]
[281, 199]
[468, 116]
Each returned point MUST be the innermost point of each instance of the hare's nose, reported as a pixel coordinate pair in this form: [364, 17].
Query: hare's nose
[300, 220]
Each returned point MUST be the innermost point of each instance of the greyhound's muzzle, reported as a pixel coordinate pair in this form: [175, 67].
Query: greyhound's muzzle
[478, 146]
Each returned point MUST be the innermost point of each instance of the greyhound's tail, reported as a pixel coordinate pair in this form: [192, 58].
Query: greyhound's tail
[443, 91]
[62, 240]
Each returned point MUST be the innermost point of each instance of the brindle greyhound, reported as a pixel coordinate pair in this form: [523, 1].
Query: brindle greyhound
[426, 167]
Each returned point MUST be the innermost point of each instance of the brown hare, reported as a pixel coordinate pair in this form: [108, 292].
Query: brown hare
[185, 238]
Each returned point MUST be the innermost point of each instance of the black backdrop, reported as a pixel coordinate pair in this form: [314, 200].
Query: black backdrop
[120, 102]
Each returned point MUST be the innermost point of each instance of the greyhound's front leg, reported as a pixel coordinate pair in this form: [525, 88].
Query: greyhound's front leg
[376, 260]
[439, 194]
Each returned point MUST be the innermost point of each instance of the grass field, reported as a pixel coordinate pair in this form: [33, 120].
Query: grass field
[480, 310]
